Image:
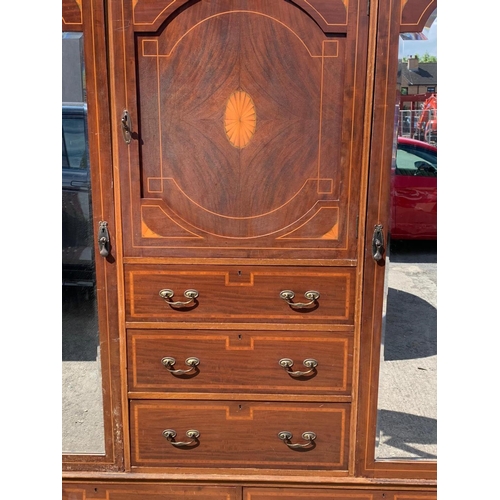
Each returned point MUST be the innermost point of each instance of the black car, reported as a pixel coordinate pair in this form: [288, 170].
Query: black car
[77, 228]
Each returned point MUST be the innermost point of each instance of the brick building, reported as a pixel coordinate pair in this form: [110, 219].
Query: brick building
[415, 77]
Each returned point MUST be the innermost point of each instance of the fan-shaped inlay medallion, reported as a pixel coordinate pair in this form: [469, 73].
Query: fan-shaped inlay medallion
[240, 119]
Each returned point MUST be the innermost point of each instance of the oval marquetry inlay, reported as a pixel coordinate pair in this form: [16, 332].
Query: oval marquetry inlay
[240, 119]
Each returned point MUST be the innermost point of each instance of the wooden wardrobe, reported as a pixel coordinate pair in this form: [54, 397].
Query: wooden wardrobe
[240, 154]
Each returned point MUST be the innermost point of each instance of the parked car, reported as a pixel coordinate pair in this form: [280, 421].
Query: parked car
[414, 191]
[77, 235]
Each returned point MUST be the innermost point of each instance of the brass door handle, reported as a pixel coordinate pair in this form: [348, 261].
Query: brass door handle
[169, 435]
[288, 295]
[103, 238]
[287, 363]
[166, 294]
[286, 437]
[126, 126]
[169, 362]
[378, 242]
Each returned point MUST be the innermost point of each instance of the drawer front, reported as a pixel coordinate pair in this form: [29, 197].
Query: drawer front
[241, 361]
[305, 494]
[246, 294]
[331, 494]
[244, 434]
[158, 491]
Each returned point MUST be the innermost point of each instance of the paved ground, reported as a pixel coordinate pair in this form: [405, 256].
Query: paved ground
[82, 417]
[407, 424]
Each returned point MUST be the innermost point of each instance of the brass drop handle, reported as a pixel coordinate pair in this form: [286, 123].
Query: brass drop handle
[169, 435]
[166, 294]
[287, 364]
[103, 238]
[126, 126]
[288, 295]
[286, 437]
[377, 242]
[169, 362]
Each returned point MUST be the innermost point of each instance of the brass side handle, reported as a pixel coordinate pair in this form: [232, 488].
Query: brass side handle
[378, 242]
[169, 435]
[169, 362]
[126, 126]
[286, 437]
[288, 295]
[166, 294]
[103, 238]
[287, 364]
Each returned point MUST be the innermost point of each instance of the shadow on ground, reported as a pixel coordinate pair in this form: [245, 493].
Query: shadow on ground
[405, 432]
[410, 327]
[80, 335]
[407, 251]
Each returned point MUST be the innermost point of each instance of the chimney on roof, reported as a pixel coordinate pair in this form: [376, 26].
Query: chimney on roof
[413, 63]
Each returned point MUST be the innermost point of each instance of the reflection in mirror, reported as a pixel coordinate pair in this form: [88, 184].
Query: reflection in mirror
[82, 410]
[407, 414]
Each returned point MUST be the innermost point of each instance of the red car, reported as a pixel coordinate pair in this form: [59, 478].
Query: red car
[414, 191]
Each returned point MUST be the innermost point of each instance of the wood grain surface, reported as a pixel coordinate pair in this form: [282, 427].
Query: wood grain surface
[239, 361]
[240, 434]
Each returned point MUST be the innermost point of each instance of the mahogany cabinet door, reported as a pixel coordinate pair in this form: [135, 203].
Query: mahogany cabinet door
[238, 136]
[92, 435]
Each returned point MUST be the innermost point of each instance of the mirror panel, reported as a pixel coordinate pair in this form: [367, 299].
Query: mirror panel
[407, 407]
[82, 405]
[407, 398]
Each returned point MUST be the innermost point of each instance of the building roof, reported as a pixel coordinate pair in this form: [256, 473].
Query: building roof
[425, 74]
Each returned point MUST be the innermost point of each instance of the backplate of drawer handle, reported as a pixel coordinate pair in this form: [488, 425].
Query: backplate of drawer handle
[309, 436]
[287, 363]
[168, 362]
[311, 295]
[193, 434]
[166, 294]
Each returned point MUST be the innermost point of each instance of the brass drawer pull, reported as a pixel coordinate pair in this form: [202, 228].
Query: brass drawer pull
[286, 436]
[169, 435]
[287, 364]
[166, 294]
[169, 362]
[288, 295]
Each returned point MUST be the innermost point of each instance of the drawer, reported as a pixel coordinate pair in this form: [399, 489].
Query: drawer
[239, 434]
[245, 294]
[304, 494]
[332, 494]
[239, 361]
[143, 491]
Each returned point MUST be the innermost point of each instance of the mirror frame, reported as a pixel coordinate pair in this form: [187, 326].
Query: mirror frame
[88, 17]
[404, 16]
